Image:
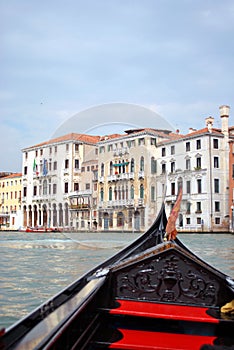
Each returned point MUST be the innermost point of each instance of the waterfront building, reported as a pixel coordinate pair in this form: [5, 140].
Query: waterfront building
[10, 201]
[51, 181]
[118, 182]
[200, 161]
[127, 198]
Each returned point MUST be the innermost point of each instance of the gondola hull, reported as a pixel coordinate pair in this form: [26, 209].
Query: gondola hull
[154, 294]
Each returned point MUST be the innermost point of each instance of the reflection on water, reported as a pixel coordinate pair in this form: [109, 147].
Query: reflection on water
[36, 266]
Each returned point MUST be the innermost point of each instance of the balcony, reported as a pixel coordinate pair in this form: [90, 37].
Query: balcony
[140, 202]
[84, 193]
[121, 151]
[121, 176]
[141, 174]
[83, 206]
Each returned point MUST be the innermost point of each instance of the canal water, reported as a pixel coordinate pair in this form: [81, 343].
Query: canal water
[35, 266]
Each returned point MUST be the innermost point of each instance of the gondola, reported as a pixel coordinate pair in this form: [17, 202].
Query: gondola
[153, 294]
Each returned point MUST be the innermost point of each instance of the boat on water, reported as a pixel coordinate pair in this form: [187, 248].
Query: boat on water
[154, 294]
[39, 229]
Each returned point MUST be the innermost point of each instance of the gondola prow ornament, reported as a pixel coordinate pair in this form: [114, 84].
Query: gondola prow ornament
[171, 231]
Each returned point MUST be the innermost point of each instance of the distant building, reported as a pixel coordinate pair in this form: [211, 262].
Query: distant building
[56, 179]
[118, 182]
[10, 201]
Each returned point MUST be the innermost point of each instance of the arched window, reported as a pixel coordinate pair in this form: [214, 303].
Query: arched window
[123, 193]
[142, 191]
[45, 187]
[132, 165]
[102, 169]
[123, 166]
[142, 164]
[132, 192]
[110, 194]
[101, 194]
[111, 168]
[153, 165]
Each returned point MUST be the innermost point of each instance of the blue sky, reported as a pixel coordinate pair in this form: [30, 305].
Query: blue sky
[58, 58]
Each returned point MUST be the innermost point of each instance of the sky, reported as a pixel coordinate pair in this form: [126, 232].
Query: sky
[60, 58]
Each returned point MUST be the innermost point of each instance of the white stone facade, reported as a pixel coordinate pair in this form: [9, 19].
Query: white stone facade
[118, 182]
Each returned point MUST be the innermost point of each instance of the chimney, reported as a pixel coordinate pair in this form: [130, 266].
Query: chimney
[209, 123]
[224, 115]
[192, 130]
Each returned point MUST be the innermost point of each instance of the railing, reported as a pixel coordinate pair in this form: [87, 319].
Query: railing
[80, 193]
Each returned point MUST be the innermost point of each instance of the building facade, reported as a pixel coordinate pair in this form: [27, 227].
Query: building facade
[118, 182]
[52, 181]
[10, 201]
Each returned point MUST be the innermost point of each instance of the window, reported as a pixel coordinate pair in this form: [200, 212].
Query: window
[233, 171]
[163, 168]
[55, 165]
[187, 145]
[24, 191]
[102, 169]
[153, 141]
[216, 143]
[188, 221]
[54, 188]
[153, 166]
[198, 144]
[172, 149]
[132, 165]
[132, 192]
[25, 170]
[216, 185]
[163, 152]
[111, 168]
[66, 187]
[77, 164]
[41, 152]
[217, 221]
[110, 194]
[188, 208]
[216, 162]
[76, 186]
[87, 186]
[199, 186]
[199, 221]
[173, 188]
[142, 164]
[172, 167]
[83, 169]
[152, 193]
[198, 162]
[188, 186]
[44, 188]
[101, 194]
[141, 141]
[66, 163]
[198, 207]
[188, 164]
[101, 149]
[141, 191]
[217, 206]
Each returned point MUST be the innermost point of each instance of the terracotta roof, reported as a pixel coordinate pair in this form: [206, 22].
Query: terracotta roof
[69, 137]
[11, 176]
